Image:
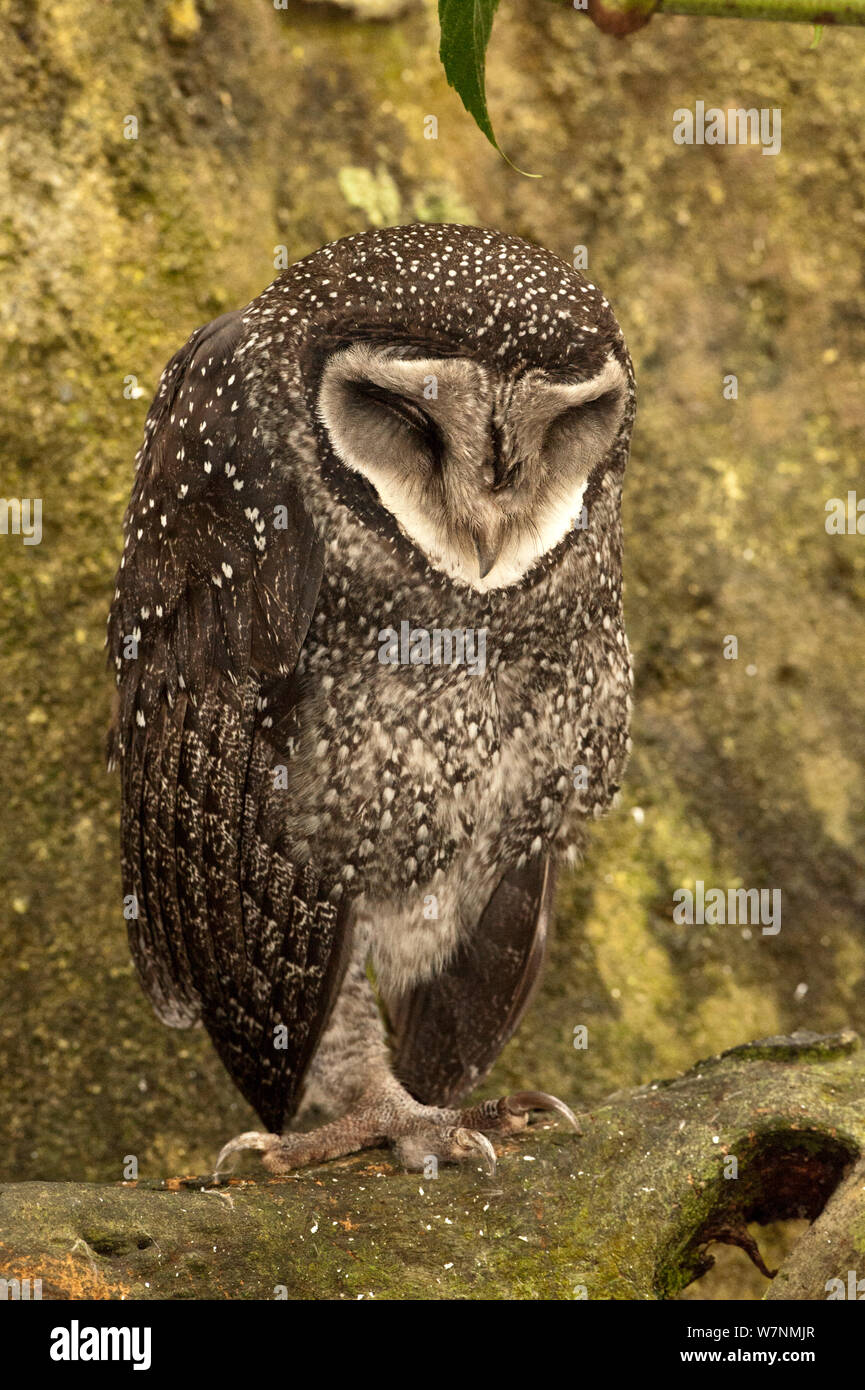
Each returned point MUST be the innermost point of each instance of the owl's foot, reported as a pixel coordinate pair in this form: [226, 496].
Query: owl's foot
[508, 1115]
[417, 1132]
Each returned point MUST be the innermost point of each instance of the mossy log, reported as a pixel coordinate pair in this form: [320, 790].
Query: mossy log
[765, 1131]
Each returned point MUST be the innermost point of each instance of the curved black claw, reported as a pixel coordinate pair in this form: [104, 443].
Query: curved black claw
[526, 1101]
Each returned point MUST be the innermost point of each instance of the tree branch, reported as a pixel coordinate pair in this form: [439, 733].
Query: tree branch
[763, 1132]
[622, 17]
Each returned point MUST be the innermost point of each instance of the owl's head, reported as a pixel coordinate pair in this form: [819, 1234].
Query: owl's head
[483, 470]
[479, 385]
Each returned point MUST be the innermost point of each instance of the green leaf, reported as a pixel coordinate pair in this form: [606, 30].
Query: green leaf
[466, 26]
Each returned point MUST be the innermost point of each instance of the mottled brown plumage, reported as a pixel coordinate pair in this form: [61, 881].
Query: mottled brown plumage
[292, 802]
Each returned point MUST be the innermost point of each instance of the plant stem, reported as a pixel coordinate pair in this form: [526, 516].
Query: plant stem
[818, 12]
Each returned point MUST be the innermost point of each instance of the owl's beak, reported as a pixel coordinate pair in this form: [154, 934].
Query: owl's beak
[488, 551]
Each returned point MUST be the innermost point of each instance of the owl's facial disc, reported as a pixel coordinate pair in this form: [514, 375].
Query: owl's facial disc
[484, 472]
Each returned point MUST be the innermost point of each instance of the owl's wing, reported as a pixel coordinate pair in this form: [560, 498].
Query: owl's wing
[450, 1030]
[217, 587]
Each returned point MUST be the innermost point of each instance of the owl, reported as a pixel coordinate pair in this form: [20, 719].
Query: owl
[372, 678]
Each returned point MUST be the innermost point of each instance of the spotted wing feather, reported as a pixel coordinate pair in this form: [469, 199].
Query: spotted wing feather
[211, 609]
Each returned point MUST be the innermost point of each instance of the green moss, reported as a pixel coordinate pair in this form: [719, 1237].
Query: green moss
[374, 194]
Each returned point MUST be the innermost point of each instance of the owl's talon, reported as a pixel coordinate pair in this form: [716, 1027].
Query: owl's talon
[473, 1139]
[448, 1142]
[251, 1139]
[524, 1102]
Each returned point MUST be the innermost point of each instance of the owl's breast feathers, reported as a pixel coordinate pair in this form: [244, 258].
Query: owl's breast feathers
[406, 763]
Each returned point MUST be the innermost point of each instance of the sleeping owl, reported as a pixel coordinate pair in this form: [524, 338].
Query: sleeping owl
[373, 678]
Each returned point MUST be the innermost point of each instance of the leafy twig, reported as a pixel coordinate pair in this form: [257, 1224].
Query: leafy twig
[466, 26]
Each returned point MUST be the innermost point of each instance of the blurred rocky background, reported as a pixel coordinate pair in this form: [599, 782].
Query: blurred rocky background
[262, 128]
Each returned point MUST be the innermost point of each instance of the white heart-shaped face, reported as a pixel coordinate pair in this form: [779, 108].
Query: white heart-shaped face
[484, 472]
